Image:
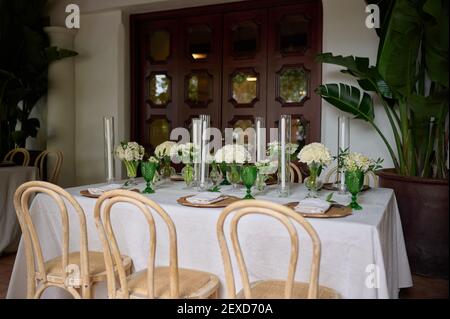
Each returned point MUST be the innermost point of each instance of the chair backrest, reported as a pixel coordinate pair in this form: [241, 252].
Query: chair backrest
[284, 215]
[295, 173]
[111, 249]
[367, 177]
[33, 250]
[12, 153]
[40, 161]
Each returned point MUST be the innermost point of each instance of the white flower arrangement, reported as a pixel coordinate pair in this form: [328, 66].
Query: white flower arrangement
[130, 151]
[267, 167]
[164, 149]
[186, 153]
[352, 161]
[232, 153]
[315, 154]
[274, 148]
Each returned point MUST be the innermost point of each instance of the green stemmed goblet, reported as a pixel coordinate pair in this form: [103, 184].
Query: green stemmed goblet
[354, 181]
[223, 169]
[148, 170]
[248, 175]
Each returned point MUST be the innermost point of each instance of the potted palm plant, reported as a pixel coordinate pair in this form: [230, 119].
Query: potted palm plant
[410, 80]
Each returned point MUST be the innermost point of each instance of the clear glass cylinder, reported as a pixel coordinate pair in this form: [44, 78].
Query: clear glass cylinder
[343, 145]
[108, 128]
[197, 141]
[284, 132]
[203, 182]
[260, 138]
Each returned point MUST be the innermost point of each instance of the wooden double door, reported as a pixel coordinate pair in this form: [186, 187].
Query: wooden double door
[233, 62]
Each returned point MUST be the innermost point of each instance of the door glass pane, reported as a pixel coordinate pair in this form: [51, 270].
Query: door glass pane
[299, 130]
[245, 38]
[244, 87]
[293, 33]
[199, 42]
[293, 85]
[160, 46]
[199, 88]
[159, 131]
[159, 89]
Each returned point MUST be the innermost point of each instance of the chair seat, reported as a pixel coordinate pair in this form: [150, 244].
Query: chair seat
[192, 283]
[274, 289]
[97, 268]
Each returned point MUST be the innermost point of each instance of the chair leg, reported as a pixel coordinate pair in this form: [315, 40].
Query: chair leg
[86, 292]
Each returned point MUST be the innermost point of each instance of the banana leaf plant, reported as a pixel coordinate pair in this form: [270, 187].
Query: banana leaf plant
[25, 55]
[410, 80]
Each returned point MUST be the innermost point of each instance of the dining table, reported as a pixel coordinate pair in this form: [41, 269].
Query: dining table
[363, 255]
[11, 177]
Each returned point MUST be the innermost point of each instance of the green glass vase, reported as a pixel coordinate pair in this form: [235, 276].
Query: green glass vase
[354, 181]
[148, 170]
[248, 176]
[233, 175]
[188, 175]
[131, 167]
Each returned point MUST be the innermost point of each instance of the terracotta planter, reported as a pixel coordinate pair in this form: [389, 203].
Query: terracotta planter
[423, 205]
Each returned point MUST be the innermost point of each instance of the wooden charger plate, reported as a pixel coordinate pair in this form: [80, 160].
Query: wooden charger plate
[176, 178]
[330, 187]
[86, 193]
[335, 211]
[223, 203]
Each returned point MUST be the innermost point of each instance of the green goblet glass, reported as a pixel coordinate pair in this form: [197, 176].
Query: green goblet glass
[148, 170]
[354, 181]
[248, 176]
[223, 169]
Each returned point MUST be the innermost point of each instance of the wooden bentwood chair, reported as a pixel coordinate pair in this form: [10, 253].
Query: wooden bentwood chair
[367, 177]
[40, 161]
[271, 289]
[295, 173]
[75, 272]
[12, 154]
[154, 282]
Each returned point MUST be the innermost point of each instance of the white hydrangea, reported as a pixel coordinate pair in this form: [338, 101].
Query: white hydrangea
[186, 153]
[164, 149]
[130, 151]
[275, 147]
[232, 153]
[316, 153]
[267, 167]
[355, 161]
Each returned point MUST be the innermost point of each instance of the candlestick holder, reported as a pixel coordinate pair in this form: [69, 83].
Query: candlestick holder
[108, 128]
[284, 133]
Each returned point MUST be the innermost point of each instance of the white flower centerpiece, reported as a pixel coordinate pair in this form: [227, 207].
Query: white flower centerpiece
[355, 166]
[163, 153]
[186, 153]
[316, 156]
[233, 156]
[130, 154]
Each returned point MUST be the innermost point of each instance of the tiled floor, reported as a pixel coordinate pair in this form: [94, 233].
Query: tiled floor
[423, 287]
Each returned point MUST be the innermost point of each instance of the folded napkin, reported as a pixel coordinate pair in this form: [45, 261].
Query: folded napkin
[205, 198]
[102, 189]
[312, 206]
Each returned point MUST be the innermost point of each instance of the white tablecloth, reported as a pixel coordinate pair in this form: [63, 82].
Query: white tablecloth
[363, 255]
[10, 179]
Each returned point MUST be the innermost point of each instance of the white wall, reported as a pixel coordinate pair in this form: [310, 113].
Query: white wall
[102, 73]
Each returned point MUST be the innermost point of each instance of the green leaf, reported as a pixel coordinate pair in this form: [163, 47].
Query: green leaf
[348, 99]
[54, 54]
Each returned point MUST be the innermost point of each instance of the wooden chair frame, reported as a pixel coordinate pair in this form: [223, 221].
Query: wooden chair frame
[111, 248]
[33, 248]
[282, 214]
[295, 171]
[12, 153]
[39, 164]
[367, 177]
